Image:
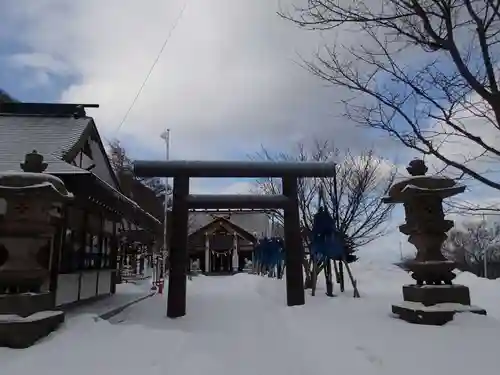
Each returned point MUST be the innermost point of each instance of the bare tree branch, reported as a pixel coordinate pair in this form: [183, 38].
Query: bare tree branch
[361, 182]
[120, 160]
[470, 244]
[443, 100]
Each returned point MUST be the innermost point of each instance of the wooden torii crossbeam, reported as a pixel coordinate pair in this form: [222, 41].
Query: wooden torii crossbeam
[182, 171]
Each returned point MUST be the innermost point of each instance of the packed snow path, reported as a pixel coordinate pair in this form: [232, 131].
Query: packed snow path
[240, 325]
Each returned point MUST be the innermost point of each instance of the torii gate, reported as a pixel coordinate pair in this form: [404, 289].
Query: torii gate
[182, 171]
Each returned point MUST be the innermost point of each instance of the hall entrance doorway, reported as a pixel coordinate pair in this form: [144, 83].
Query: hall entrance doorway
[221, 262]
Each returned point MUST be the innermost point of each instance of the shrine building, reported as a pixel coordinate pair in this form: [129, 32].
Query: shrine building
[93, 229]
[222, 241]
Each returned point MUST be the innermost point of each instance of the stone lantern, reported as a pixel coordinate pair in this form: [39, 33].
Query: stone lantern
[30, 210]
[434, 299]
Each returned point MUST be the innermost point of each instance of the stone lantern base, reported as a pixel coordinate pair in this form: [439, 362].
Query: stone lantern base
[26, 318]
[434, 304]
[17, 332]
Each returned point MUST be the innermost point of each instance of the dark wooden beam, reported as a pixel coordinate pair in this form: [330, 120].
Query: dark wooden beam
[57, 248]
[113, 262]
[46, 109]
[176, 299]
[294, 254]
[234, 169]
[81, 250]
[100, 250]
[237, 200]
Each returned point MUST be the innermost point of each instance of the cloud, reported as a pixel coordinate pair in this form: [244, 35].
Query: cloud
[40, 61]
[41, 65]
[228, 79]
[243, 187]
[221, 186]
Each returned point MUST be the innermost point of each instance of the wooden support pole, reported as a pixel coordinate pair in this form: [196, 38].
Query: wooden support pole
[81, 250]
[328, 277]
[100, 249]
[293, 245]
[314, 274]
[341, 276]
[116, 275]
[207, 254]
[353, 281]
[307, 263]
[176, 300]
[336, 270]
[236, 257]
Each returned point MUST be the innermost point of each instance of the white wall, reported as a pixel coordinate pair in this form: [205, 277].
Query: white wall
[101, 169]
[67, 288]
[88, 285]
[104, 282]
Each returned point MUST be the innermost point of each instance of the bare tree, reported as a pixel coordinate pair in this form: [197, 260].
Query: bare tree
[469, 244]
[426, 72]
[118, 156]
[306, 189]
[457, 205]
[120, 160]
[354, 198]
[7, 98]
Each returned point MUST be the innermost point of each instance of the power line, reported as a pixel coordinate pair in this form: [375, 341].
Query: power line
[174, 26]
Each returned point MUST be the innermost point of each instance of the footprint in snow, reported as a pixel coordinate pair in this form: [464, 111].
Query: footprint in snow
[370, 356]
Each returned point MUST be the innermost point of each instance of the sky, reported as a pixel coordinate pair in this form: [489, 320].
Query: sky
[228, 81]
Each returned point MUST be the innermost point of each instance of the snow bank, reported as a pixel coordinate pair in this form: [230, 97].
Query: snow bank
[36, 316]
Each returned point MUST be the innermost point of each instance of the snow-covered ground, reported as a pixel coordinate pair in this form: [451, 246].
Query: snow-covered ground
[240, 325]
[125, 293]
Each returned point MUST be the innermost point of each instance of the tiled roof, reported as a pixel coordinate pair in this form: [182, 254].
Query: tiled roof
[226, 225]
[251, 221]
[129, 201]
[148, 200]
[50, 136]
[53, 137]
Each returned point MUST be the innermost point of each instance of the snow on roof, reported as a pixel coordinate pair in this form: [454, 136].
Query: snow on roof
[252, 221]
[32, 176]
[37, 186]
[126, 199]
[12, 318]
[51, 137]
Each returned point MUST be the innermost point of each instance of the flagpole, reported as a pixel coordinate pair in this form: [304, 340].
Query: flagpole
[166, 137]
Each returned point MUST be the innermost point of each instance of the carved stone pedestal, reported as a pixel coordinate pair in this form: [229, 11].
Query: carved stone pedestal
[26, 318]
[25, 304]
[19, 332]
[434, 304]
[430, 295]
